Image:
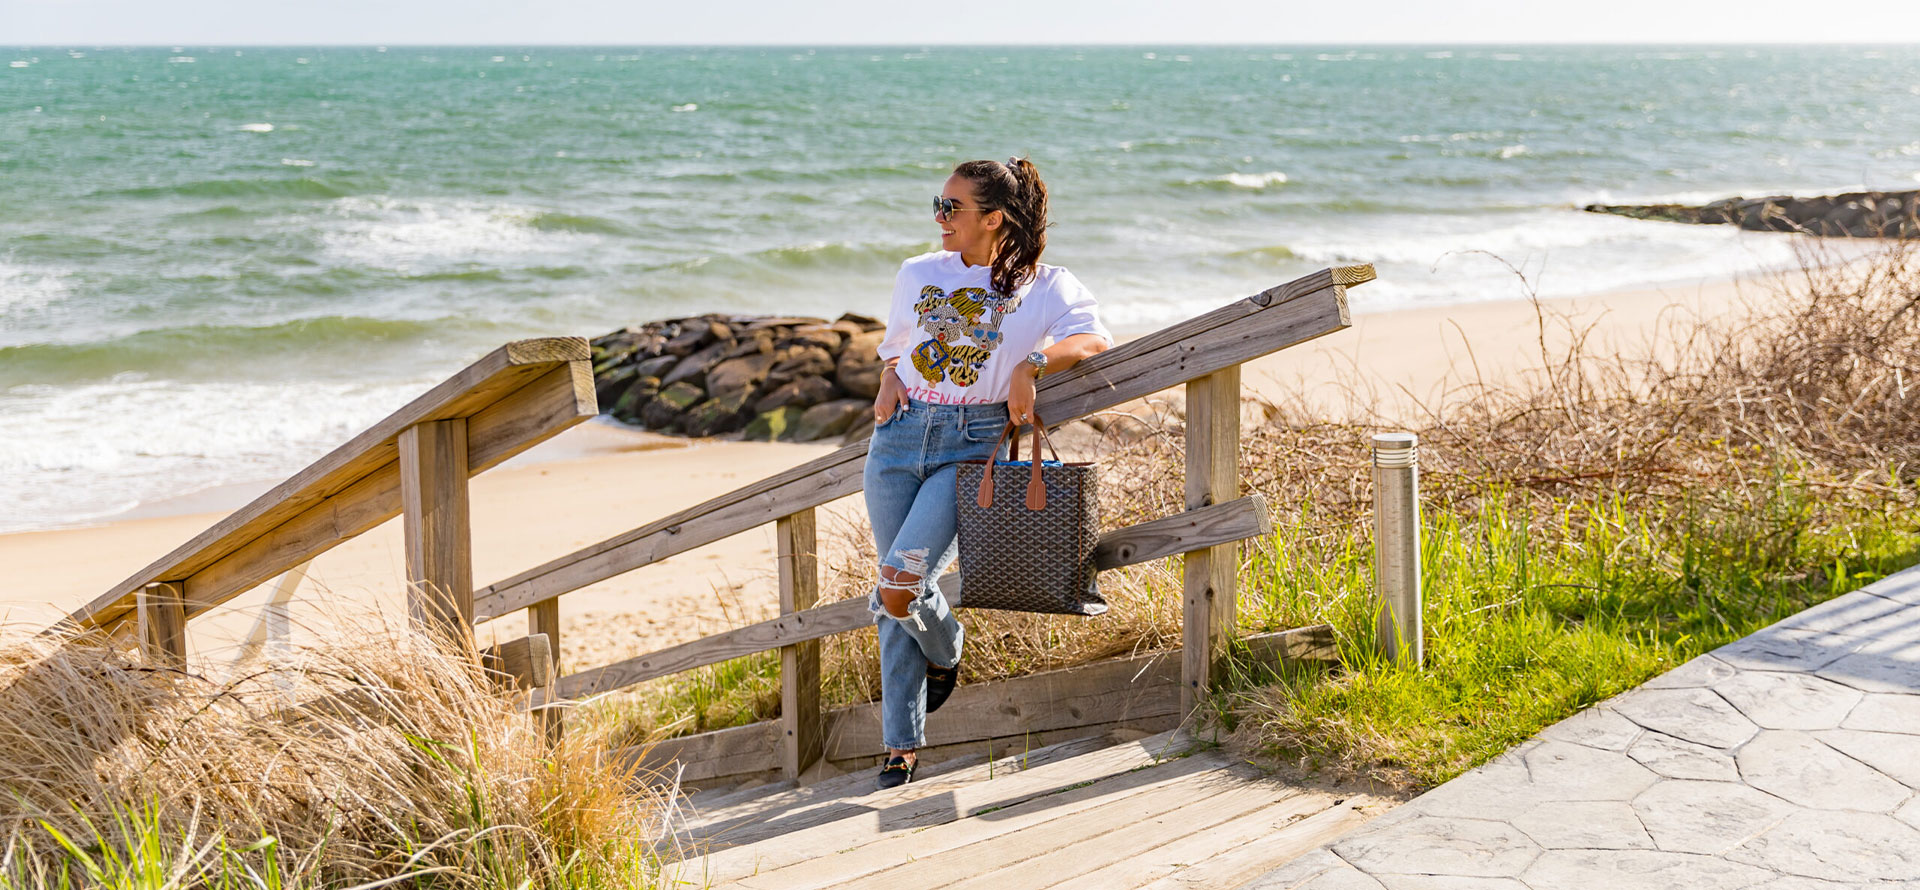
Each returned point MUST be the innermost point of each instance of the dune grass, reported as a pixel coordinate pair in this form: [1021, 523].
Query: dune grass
[375, 759]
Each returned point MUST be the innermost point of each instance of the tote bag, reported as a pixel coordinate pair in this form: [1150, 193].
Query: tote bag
[1028, 531]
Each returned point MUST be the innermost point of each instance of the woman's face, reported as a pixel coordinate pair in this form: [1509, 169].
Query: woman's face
[967, 230]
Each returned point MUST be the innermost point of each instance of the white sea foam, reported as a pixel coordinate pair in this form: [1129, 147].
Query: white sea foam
[24, 290]
[1438, 261]
[72, 454]
[1254, 180]
[256, 128]
[690, 106]
[296, 162]
[403, 234]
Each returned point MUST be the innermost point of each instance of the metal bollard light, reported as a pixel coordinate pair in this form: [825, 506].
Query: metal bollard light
[1396, 545]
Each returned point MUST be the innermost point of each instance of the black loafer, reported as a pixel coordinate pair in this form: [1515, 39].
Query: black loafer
[897, 772]
[940, 683]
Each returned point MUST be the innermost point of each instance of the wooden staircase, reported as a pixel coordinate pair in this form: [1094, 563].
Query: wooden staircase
[1104, 812]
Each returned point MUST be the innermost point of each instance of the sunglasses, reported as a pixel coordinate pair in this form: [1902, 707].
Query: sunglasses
[944, 208]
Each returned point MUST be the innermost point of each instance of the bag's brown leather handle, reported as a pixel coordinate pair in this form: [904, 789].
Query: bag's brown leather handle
[1036, 489]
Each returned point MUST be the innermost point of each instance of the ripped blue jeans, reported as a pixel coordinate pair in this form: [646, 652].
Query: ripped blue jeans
[910, 500]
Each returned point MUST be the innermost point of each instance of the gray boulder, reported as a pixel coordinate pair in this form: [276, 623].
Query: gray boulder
[672, 401]
[859, 367]
[775, 425]
[832, 419]
[739, 376]
[803, 393]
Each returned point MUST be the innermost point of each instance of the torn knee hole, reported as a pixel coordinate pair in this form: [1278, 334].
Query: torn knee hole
[898, 591]
[900, 585]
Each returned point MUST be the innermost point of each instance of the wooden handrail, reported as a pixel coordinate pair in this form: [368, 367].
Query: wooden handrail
[1208, 526]
[510, 400]
[1283, 316]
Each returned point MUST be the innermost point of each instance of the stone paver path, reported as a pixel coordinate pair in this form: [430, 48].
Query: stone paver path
[1788, 760]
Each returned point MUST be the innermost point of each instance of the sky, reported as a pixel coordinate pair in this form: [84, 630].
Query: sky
[892, 22]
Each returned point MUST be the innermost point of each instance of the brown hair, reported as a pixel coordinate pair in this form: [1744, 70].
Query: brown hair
[1015, 189]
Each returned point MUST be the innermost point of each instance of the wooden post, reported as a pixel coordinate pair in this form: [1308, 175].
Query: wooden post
[800, 717]
[163, 623]
[433, 494]
[544, 618]
[1213, 477]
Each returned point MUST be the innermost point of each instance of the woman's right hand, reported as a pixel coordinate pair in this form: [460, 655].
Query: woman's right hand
[892, 397]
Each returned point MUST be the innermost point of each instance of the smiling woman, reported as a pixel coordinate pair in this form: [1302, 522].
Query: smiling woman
[974, 317]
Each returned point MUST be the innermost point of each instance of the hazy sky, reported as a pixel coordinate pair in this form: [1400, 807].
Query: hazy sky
[820, 22]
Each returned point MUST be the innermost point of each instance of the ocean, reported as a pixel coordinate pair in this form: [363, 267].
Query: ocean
[217, 263]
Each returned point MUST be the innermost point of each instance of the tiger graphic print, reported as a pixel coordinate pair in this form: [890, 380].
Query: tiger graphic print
[971, 313]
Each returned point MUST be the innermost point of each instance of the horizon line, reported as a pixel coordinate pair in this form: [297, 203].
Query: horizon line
[964, 45]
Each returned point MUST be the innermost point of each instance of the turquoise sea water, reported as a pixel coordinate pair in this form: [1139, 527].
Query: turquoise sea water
[217, 263]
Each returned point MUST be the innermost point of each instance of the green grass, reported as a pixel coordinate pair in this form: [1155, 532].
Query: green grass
[1532, 613]
[1535, 607]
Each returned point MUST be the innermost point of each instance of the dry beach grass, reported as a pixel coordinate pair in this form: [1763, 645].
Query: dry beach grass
[125, 773]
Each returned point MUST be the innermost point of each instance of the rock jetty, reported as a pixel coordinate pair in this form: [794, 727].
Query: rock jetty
[791, 379]
[1852, 215]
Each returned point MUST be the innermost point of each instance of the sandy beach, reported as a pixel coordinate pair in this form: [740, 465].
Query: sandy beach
[601, 479]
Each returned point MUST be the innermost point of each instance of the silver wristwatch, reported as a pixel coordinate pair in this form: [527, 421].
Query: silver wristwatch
[1038, 360]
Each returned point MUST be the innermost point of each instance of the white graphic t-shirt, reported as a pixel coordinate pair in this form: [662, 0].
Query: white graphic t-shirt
[959, 341]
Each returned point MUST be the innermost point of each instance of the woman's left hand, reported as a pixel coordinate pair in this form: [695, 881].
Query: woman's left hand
[1020, 395]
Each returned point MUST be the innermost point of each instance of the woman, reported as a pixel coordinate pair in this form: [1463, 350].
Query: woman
[971, 327]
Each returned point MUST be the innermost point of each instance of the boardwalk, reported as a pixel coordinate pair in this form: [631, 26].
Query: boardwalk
[1788, 760]
[1154, 812]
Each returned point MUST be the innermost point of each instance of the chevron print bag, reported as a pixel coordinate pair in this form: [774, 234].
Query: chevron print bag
[1028, 531]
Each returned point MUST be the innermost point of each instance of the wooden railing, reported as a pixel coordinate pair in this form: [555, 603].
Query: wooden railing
[1203, 353]
[415, 462]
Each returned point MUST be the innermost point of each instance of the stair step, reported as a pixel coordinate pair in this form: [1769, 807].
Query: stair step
[1238, 867]
[862, 821]
[785, 811]
[1064, 846]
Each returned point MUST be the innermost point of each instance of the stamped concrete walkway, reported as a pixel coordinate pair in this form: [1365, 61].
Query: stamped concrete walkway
[1788, 760]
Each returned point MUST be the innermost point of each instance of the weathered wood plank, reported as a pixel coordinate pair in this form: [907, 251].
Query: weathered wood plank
[437, 527]
[1155, 539]
[1283, 316]
[820, 802]
[1272, 843]
[1213, 524]
[1116, 691]
[473, 388]
[888, 831]
[800, 717]
[163, 623]
[1072, 845]
[1094, 385]
[785, 630]
[544, 618]
[1209, 575]
[523, 663]
[811, 484]
[1141, 690]
[738, 750]
[494, 435]
[1157, 857]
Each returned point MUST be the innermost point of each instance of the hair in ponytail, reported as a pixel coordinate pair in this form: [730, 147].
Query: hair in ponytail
[1015, 189]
